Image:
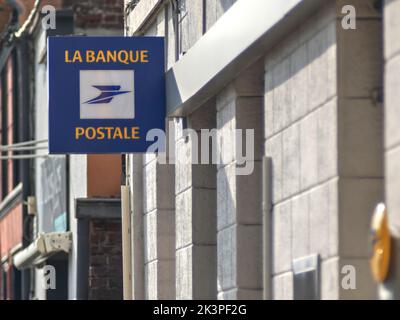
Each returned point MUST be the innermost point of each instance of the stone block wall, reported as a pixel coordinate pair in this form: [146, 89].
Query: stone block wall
[179, 202]
[391, 288]
[239, 197]
[159, 229]
[313, 100]
[301, 138]
[195, 199]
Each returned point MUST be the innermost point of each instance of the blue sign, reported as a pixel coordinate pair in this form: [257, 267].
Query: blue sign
[105, 93]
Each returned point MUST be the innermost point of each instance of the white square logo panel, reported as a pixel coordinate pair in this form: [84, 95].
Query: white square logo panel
[107, 94]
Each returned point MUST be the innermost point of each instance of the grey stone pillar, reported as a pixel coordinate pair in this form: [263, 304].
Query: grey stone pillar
[195, 190]
[239, 197]
[391, 288]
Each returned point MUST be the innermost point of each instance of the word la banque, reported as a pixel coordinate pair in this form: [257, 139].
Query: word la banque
[107, 56]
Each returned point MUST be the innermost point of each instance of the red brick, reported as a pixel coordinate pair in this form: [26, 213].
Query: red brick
[105, 260]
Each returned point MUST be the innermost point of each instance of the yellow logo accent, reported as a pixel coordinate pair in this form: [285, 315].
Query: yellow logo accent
[381, 241]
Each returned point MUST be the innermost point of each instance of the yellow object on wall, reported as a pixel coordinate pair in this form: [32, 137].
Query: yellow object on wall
[381, 244]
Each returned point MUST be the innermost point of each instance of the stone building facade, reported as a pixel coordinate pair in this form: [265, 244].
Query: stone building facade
[320, 99]
[391, 289]
[323, 131]
[312, 90]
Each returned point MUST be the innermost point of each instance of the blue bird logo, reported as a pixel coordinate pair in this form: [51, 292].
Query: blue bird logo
[107, 94]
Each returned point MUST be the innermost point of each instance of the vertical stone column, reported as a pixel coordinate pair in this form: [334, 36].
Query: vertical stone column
[195, 191]
[158, 184]
[323, 133]
[105, 260]
[360, 142]
[135, 181]
[391, 288]
[159, 228]
[239, 197]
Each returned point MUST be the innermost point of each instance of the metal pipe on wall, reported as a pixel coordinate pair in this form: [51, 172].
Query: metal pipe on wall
[22, 99]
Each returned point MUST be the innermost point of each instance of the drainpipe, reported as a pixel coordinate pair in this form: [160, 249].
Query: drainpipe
[21, 109]
[24, 135]
[23, 104]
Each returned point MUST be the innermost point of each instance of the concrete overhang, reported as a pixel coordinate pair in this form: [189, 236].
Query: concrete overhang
[238, 39]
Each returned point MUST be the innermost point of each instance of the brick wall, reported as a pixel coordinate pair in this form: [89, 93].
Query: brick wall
[195, 200]
[26, 6]
[1, 282]
[2, 142]
[8, 122]
[89, 14]
[105, 259]
[11, 230]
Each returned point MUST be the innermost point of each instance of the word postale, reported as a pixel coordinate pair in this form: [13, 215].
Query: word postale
[105, 93]
[107, 133]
